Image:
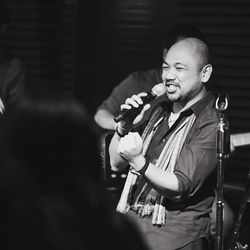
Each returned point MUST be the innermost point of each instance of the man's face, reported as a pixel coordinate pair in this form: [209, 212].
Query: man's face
[182, 72]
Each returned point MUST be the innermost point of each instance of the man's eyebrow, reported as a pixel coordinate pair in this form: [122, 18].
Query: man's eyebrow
[176, 64]
[179, 63]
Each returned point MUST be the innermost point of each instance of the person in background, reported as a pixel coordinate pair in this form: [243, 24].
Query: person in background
[12, 70]
[51, 183]
[169, 190]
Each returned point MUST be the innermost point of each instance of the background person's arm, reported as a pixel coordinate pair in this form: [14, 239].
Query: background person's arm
[105, 119]
[136, 82]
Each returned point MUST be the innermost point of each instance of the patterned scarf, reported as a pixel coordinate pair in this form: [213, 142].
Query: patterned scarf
[149, 201]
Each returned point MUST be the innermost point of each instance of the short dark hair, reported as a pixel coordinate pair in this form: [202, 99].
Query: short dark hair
[4, 14]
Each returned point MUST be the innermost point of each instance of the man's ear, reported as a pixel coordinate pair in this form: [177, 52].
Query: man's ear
[206, 72]
[164, 53]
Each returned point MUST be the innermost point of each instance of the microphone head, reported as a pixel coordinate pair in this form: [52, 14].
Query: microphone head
[159, 89]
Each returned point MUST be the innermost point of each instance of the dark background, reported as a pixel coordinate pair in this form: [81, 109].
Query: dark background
[86, 47]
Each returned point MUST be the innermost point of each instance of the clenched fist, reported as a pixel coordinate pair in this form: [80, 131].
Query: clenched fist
[130, 148]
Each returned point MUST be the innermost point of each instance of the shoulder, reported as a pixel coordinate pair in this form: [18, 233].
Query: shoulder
[205, 108]
[206, 116]
[152, 74]
[210, 111]
[143, 80]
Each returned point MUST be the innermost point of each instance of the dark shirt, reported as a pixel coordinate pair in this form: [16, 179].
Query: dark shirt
[135, 83]
[188, 219]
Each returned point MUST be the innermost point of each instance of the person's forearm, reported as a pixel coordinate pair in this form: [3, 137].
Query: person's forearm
[165, 182]
[105, 119]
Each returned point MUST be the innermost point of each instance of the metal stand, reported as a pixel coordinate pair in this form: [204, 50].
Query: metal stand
[235, 244]
[222, 153]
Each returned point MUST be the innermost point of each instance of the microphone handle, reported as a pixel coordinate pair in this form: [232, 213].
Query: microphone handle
[134, 111]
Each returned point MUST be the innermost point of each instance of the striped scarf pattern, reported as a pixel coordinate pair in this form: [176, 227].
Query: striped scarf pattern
[149, 201]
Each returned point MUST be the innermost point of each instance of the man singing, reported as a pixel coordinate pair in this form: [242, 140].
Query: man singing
[169, 190]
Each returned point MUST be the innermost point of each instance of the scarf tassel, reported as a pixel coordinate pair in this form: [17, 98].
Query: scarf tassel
[159, 215]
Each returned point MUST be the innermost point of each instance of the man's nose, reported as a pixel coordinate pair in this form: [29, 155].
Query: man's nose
[169, 74]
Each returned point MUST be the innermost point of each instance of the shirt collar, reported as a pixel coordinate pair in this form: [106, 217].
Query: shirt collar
[199, 106]
[196, 108]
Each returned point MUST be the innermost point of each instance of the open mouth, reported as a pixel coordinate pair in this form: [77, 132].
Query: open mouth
[171, 87]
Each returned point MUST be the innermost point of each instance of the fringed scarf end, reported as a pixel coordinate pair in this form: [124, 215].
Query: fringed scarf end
[159, 215]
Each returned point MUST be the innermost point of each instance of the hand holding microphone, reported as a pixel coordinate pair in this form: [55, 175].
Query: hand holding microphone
[134, 105]
[133, 110]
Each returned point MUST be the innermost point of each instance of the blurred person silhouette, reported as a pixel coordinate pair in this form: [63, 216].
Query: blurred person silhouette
[12, 71]
[51, 187]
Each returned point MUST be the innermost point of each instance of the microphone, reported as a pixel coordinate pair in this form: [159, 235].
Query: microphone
[157, 90]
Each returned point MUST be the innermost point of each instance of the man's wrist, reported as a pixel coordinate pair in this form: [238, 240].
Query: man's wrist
[144, 168]
[140, 165]
[120, 131]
